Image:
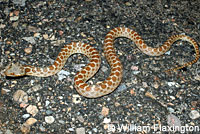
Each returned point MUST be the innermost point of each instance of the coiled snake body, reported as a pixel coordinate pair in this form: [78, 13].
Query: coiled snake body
[110, 84]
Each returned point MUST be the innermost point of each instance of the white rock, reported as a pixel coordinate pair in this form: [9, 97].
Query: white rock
[47, 103]
[197, 77]
[106, 120]
[25, 116]
[173, 120]
[78, 67]
[168, 52]
[171, 83]
[62, 74]
[194, 114]
[30, 39]
[172, 97]
[20, 96]
[76, 98]
[80, 130]
[71, 129]
[49, 119]
[32, 109]
[14, 18]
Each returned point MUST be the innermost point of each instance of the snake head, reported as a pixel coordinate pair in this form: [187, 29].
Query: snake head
[14, 70]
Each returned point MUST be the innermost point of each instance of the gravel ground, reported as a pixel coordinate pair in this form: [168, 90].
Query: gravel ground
[34, 32]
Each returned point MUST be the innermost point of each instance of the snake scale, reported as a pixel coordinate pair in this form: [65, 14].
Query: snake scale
[113, 80]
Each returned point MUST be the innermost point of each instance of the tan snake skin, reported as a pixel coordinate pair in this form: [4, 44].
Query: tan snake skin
[114, 79]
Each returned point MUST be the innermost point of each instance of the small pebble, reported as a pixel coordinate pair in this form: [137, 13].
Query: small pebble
[172, 97]
[80, 118]
[171, 110]
[42, 128]
[37, 35]
[32, 109]
[144, 84]
[60, 32]
[45, 36]
[25, 129]
[71, 129]
[52, 37]
[30, 122]
[25, 116]
[168, 52]
[128, 4]
[197, 77]
[33, 29]
[139, 105]
[156, 85]
[14, 18]
[20, 96]
[122, 87]
[30, 40]
[106, 120]
[76, 98]
[4, 91]
[95, 130]
[61, 121]
[105, 111]
[28, 50]
[134, 68]
[78, 67]
[19, 2]
[83, 34]
[36, 88]
[38, 98]
[194, 114]
[62, 74]
[142, 89]
[49, 119]
[117, 104]
[172, 120]
[171, 83]
[23, 105]
[132, 92]
[80, 130]
[148, 94]
[47, 103]
[104, 68]
[2, 26]
[60, 97]
[136, 72]
[48, 112]
[194, 103]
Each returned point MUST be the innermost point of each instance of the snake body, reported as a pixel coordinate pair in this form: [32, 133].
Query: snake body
[113, 80]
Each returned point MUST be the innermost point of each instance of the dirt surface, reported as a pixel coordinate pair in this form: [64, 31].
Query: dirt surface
[33, 32]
